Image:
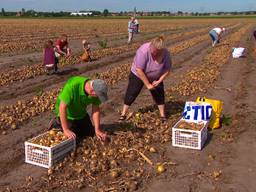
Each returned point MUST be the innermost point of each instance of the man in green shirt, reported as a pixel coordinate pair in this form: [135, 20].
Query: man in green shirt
[71, 104]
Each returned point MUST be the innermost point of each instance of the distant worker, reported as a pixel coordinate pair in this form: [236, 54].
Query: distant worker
[131, 29]
[78, 93]
[215, 34]
[254, 34]
[62, 47]
[136, 22]
[87, 51]
[49, 59]
[151, 65]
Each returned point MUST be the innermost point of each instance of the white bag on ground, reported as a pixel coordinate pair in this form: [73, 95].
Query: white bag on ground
[195, 111]
[238, 52]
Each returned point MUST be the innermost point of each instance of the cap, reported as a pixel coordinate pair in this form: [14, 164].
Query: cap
[101, 89]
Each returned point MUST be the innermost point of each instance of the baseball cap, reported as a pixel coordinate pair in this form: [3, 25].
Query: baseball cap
[101, 89]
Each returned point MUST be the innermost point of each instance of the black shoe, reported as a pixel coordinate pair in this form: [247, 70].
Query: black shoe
[163, 119]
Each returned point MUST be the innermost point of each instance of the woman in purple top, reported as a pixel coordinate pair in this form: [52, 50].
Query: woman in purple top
[49, 58]
[151, 65]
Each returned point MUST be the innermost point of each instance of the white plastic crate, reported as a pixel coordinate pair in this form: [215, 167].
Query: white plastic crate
[47, 156]
[188, 138]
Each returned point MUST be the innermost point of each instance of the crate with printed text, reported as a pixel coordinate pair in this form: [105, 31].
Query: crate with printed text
[47, 149]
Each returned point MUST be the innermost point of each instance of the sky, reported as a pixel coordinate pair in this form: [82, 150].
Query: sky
[128, 5]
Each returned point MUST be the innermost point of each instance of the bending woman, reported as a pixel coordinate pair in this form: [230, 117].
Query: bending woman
[215, 34]
[150, 67]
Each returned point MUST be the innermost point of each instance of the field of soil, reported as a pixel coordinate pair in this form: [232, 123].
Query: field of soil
[227, 162]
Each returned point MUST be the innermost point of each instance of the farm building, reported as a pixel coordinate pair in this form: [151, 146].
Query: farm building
[81, 13]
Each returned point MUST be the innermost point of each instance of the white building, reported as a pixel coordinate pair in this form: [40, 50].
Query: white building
[81, 13]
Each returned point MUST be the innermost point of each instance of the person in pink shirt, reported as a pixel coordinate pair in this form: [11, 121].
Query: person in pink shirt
[49, 59]
[150, 67]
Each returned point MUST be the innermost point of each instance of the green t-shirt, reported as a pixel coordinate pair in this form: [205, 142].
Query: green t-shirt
[74, 96]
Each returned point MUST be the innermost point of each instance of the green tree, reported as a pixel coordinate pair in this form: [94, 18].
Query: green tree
[3, 12]
[180, 13]
[105, 12]
[23, 11]
[30, 12]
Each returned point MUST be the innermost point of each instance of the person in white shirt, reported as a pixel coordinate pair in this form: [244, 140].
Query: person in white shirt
[131, 28]
[136, 22]
[215, 34]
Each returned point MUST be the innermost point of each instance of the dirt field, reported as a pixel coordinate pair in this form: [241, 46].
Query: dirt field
[27, 97]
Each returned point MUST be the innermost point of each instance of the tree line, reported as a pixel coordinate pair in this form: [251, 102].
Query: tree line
[106, 12]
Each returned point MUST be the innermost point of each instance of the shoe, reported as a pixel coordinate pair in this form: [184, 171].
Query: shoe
[122, 118]
[129, 116]
[163, 119]
[55, 73]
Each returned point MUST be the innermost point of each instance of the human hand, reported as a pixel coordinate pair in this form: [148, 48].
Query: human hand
[70, 134]
[156, 83]
[150, 86]
[101, 135]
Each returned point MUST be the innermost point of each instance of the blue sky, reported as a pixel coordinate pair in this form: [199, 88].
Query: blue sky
[128, 5]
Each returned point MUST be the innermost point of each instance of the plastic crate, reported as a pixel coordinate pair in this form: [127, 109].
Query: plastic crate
[47, 156]
[187, 138]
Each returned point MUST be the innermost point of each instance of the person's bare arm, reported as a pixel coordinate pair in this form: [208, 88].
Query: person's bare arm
[59, 50]
[64, 121]
[167, 68]
[144, 78]
[164, 75]
[220, 35]
[96, 121]
[68, 51]
[156, 83]
[85, 48]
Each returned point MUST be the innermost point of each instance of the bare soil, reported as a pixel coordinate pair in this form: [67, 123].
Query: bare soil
[230, 150]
